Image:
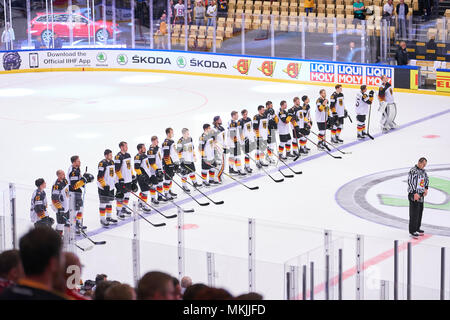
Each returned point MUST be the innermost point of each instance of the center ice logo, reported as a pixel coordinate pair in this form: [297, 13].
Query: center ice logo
[382, 198]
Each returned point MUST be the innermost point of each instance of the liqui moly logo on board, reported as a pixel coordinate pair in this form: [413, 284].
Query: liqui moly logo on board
[373, 75]
[349, 74]
[322, 72]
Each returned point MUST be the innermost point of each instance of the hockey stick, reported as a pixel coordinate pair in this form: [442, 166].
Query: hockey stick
[336, 157]
[84, 249]
[140, 215]
[192, 185]
[174, 203]
[282, 161]
[94, 242]
[268, 174]
[276, 165]
[240, 182]
[343, 152]
[165, 216]
[368, 123]
[202, 204]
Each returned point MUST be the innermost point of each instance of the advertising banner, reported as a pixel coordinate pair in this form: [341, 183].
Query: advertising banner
[443, 80]
[189, 62]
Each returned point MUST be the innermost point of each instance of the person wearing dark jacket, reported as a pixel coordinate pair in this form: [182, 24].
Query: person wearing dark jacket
[402, 12]
[401, 55]
[417, 190]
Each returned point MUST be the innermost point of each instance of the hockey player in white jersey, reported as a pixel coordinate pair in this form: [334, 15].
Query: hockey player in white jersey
[363, 101]
[388, 108]
[207, 150]
[187, 156]
[60, 201]
[337, 107]
[38, 210]
[284, 129]
[249, 138]
[106, 181]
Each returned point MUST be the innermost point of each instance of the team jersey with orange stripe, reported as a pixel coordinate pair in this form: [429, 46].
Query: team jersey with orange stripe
[106, 175]
[38, 205]
[337, 103]
[260, 126]
[170, 155]
[60, 195]
[206, 146]
[141, 165]
[185, 149]
[247, 129]
[284, 125]
[123, 167]
[322, 110]
[234, 131]
[75, 179]
[386, 93]
[154, 158]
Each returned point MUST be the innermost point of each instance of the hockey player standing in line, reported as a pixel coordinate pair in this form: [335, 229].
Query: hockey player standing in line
[337, 104]
[234, 138]
[186, 154]
[273, 127]
[77, 181]
[157, 177]
[322, 113]
[260, 126]
[249, 138]
[307, 125]
[143, 173]
[124, 171]
[297, 116]
[38, 210]
[387, 105]
[106, 181]
[284, 128]
[219, 136]
[60, 201]
[171, 164]
[206, 148]
[363, 101]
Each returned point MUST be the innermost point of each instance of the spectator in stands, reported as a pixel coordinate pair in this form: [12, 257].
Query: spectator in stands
[199, 14]
[11, 269]
[192, 291]
[179, 12]
[186, 282]
[425, 5]
[42, 261]
[161, 33]
[72, 269]
[189, 13]
[388, 10]
[222, 9]
[358, 10]
[309, 6]
[402, 11]
[176, 284]
[211, 13]
[121, 291]
[101, 288]
[401, 55]
[156, 286]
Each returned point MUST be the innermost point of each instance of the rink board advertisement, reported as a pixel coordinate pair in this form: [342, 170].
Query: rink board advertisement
[189, 62]
[443, 80]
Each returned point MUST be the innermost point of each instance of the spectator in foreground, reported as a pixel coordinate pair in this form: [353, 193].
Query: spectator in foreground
[401, 55]
[186, 282]
[120, 292]
[309, 6]
[101, 288]
[42, 260]
[176, 284]
[402, 11]
[358, 10]
[72, 260]
[192, 291]
[11, 269]
[250, 296]
[213, 294]
[156, 286]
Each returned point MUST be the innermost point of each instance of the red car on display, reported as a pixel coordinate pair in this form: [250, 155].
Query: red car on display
[41, 26]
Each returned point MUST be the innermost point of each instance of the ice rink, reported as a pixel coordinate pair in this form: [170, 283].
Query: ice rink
[46, 118]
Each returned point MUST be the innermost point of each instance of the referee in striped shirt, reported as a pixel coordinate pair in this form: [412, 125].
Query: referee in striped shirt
[417, 190]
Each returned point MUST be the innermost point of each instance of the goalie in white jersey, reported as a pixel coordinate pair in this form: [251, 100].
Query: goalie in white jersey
[388, 108]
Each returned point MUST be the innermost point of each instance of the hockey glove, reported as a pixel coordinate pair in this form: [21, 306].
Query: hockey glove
[159, 175]
[88, 177]
[371, 93]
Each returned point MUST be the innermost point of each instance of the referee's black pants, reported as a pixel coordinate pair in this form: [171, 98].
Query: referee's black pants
[415, 216]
